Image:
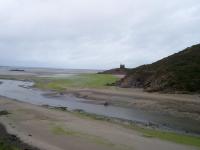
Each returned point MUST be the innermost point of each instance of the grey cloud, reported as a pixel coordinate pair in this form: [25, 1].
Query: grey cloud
[95, 33]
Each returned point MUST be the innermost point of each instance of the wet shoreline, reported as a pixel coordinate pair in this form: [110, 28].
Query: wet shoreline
[156, 120]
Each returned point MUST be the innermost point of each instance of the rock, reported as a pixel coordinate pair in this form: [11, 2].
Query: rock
[106, 104]
[79, 110]
[61, 93]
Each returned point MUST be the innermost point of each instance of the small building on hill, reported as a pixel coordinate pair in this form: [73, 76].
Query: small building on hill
[122, 70]
[122, 66]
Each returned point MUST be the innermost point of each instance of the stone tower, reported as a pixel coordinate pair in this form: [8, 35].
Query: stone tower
[122, 66]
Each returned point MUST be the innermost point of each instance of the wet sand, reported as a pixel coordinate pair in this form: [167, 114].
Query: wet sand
[50, 129]
[180, 105]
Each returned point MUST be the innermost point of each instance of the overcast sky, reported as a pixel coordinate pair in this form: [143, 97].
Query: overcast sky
[95, 34]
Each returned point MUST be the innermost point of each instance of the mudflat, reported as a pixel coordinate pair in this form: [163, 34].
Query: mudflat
[182, 105]
[50, 129]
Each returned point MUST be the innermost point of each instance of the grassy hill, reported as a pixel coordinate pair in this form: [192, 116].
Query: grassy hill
[178, 72]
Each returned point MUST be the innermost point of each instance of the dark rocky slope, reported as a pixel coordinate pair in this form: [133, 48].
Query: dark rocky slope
[178, 72]
[11, 142]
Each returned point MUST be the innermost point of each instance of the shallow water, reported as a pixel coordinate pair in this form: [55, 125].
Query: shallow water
[21, 91]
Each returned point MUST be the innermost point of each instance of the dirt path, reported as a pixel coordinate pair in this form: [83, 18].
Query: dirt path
[56, 130]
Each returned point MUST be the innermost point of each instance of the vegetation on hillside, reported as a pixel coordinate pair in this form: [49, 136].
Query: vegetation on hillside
[178, 72]
[116, 71]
